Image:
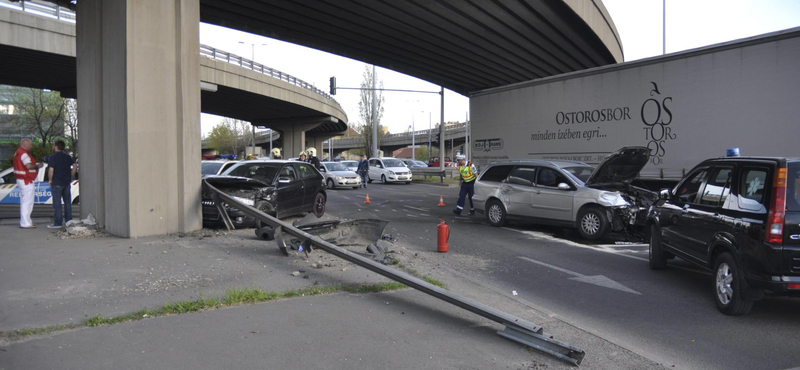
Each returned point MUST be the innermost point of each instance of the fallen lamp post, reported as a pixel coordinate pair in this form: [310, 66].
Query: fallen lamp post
[516, 329]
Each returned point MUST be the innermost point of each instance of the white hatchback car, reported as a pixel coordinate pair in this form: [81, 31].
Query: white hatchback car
[388, 170]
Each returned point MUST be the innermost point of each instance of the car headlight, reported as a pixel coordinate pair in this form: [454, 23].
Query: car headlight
[391, 172]
[246, 201]
[339, 178]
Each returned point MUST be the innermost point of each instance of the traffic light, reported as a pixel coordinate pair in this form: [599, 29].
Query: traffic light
[438, 138]
[333, 85]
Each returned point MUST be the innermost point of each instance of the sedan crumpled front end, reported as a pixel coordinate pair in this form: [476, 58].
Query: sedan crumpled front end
[245, 190]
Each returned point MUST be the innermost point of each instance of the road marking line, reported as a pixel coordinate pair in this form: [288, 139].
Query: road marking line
[622, 245]
[598, 280]
[417, 208]
[410, 215]
[543, 236]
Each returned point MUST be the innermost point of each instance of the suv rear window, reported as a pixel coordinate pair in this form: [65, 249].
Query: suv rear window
[751, 188]
[496, 173]
[793, 187]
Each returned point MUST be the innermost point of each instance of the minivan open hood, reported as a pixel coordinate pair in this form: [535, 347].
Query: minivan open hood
[621, 166]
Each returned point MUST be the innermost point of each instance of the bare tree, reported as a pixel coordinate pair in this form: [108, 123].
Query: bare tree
[365, 110]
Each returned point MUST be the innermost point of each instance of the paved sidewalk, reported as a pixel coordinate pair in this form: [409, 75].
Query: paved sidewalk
[46, 281]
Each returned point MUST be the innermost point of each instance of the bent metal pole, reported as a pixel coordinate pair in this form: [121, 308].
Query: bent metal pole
[517, 329]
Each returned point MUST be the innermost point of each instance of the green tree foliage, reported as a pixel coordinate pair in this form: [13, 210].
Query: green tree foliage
[365, 110]
[39, 112]
[423, 153]
[229, 136]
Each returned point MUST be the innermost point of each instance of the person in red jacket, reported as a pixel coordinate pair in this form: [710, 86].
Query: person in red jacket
[25, 171]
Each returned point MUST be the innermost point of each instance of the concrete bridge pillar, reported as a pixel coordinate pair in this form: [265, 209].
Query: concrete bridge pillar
[139, 88]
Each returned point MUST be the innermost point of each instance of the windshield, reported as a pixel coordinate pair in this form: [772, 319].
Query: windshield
[393, 163]
[211, 168]
[349, 163]
[581, 174]
[336, 167]
[264, 172]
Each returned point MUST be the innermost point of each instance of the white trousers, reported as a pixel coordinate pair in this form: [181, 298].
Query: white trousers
[27, 195]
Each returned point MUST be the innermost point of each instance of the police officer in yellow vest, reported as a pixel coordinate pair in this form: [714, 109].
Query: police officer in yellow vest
[468, 176]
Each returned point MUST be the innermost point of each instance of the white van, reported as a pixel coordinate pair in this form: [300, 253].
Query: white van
[388, 170]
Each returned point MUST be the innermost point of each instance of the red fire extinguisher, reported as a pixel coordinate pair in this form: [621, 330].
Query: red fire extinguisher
[444, 237]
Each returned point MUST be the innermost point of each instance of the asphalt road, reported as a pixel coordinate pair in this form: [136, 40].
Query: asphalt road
[606, 288]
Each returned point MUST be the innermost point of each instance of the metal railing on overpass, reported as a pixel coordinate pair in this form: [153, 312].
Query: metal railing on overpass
[52, 11]
[355, 141]
[41, 8]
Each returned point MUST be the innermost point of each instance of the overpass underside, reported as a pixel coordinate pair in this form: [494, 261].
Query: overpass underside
[139, 73]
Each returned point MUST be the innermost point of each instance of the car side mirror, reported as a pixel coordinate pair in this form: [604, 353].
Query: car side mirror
[322, 169]
[563, 186]
[284, 180]
[664, 194]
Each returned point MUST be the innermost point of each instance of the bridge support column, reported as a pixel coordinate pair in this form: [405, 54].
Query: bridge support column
[294, 133]
[139, 88]
[318, 142]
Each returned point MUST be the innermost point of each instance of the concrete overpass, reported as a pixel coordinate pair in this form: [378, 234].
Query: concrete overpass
[40, 52]
[138, 69]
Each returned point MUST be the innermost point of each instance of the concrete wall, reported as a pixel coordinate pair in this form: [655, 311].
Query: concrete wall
[685, 107]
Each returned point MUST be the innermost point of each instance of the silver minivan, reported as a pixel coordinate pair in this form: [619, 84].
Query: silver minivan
[567, 193]
[388, 170]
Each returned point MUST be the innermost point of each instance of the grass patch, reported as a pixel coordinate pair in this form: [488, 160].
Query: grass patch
[233, 297]
[427, 279]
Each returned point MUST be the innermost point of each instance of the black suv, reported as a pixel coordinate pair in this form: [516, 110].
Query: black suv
[277, 188]
[738, 217]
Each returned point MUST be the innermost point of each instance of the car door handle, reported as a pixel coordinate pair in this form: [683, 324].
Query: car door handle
[537, 191]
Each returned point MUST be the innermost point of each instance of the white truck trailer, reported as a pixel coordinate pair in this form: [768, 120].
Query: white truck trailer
[685, 107]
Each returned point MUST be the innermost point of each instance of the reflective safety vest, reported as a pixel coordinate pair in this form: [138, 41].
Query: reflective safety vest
[22, 173]
[466, 172]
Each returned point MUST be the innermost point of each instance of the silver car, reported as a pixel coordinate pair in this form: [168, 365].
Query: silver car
[567, 193]
[351, 165]
[338, 175]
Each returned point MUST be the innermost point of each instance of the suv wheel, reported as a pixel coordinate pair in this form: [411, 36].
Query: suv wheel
[658, 260]
[496, 213]
[330, 184]
[265, 207]
[319, 205]
[592, 223]
[729, 287]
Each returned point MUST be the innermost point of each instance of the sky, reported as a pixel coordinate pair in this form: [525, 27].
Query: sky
[689, 24]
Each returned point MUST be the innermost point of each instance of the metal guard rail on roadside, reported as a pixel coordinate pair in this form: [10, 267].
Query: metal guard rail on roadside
[516, 329]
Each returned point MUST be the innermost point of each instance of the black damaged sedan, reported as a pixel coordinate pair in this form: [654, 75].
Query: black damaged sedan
[277, 188]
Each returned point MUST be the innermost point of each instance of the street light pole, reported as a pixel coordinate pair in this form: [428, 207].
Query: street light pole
[253, 67]
[374, 118]
[413, 152]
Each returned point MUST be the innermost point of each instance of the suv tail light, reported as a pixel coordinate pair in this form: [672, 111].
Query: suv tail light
[777, 210]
